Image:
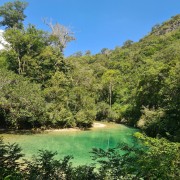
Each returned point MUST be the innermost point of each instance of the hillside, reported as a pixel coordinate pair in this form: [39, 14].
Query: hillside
[136, 84]
[139, 82]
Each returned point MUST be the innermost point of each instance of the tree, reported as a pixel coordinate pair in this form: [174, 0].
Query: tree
[105, 51]
[12, 14]
[110, 79]
[31, 54]
[22, 105]
[60, 35]
[23, 44]
[56, 94]
[88, 53]
[78, 54]
[127, 43]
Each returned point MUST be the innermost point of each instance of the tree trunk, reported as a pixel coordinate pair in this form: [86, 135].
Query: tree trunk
[110, 95]
[19, 66]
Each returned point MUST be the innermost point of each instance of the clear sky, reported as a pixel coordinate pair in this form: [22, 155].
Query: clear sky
[101, 24]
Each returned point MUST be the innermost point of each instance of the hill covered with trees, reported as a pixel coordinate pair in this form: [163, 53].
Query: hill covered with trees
[137, 84]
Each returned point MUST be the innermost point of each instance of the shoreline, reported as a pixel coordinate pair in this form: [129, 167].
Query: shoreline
[98, 125]
[95, 125]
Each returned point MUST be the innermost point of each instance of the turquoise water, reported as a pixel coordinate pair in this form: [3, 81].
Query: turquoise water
[76, 143]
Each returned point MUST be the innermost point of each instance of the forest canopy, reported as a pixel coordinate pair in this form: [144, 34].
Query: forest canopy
[137, 84]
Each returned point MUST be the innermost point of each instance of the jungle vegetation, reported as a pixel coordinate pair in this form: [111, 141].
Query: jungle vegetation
[137, 84]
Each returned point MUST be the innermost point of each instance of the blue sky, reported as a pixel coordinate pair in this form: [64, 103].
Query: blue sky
[101, 24]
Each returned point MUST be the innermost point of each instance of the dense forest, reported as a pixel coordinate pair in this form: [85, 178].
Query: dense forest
[137, 84]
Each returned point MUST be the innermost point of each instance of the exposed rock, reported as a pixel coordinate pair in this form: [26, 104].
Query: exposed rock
[168, 26]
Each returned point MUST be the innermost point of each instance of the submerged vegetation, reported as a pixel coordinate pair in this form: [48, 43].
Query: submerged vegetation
[137, 84]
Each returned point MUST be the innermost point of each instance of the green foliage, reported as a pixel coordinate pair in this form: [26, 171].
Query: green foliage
[127, 43]
[111, 163]
[9, 164]
[84, 172]
[154, 159]
[138, 76]
[3, 62]
[44, 166]
[148, 79]
[21, 102]
[84, 118]
[161, 160]
[30, 54]
[167, 26]
[137, 83]
[12, 14]
[152, 122]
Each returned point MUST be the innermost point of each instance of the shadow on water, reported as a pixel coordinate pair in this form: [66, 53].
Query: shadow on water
[34, 131]
[21, 132]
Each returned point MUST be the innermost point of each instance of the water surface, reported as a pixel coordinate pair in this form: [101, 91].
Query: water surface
[76, 143]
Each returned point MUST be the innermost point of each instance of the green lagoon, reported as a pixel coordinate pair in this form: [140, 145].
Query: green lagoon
[75, 143]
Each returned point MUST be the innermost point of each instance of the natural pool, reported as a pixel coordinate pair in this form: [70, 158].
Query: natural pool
[76, 143]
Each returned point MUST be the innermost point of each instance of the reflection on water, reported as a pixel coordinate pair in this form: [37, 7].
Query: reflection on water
[76, 143]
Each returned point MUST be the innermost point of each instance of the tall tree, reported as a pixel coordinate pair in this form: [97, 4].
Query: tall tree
[30, 53]
[61, 35]
[110, 79]
[12, 14]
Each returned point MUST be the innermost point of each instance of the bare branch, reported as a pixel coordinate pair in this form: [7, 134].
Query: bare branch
[63, 35]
